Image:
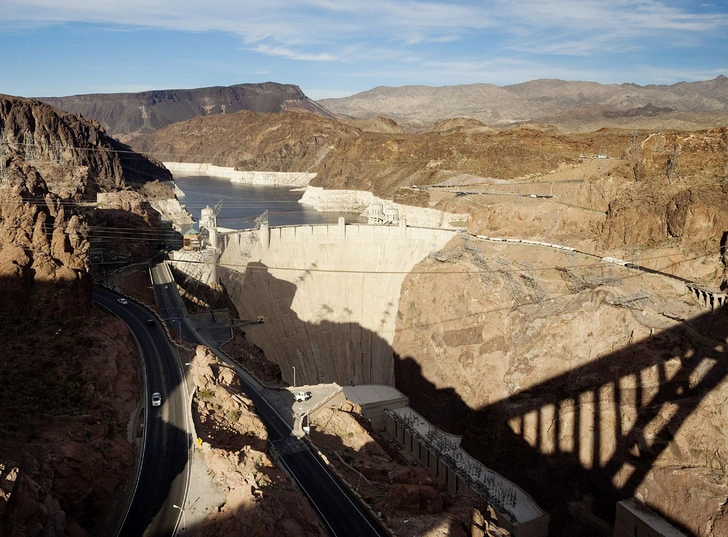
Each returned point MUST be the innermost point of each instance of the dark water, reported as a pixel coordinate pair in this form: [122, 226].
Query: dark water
[242, 204]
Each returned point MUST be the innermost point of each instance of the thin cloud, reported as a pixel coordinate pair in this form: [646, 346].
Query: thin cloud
[284, 52]
[397, 41]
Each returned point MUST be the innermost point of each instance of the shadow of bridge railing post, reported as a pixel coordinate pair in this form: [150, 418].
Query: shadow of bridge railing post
[599, 428]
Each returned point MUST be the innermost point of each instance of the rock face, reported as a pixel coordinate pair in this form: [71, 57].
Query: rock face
[572, 106]
[125, 114]
[680, 193]
[69, 373]
[260, 499]
[75, 156]
[564, 388]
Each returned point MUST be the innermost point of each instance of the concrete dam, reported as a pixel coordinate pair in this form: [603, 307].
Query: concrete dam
[329, 294]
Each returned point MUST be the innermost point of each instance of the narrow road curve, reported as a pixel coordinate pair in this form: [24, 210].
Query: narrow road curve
[342, 513]
[164, 472]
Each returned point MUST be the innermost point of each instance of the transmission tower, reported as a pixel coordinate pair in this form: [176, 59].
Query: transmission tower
[3, 143]
[57, 152]
[673, 165]
[29, 146]
[3, 173]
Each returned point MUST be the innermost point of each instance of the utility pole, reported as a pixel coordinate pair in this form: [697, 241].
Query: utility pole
[673, 165]
[29, 146]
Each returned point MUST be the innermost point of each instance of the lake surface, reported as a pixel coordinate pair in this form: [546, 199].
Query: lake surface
[242, 204]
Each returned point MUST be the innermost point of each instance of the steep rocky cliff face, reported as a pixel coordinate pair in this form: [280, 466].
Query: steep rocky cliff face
[680, 194]
[124, 115]
[69, 373]
[572, 379]
[75, 156]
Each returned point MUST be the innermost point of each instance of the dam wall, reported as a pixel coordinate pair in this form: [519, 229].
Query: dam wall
[329, 294]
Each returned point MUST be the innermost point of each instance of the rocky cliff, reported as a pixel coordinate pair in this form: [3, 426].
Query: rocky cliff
[124, 115]
[573, 379]
[75, 156]
[69, 373]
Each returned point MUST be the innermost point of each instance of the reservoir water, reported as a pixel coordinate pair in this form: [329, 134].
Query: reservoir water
[242, 204]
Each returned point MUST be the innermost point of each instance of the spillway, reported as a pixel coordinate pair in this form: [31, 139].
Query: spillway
[329, 294]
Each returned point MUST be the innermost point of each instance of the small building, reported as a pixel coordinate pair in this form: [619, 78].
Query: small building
[191, 240]
[454, 468]
[378, 215]
[374, 399]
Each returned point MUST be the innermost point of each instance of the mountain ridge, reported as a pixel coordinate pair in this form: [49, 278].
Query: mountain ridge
[569, 105]
[125, 115]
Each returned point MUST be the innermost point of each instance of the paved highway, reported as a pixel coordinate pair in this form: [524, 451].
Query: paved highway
[164, 472]
[343, 515]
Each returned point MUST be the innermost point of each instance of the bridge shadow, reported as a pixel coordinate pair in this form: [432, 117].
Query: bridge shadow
[597, 430]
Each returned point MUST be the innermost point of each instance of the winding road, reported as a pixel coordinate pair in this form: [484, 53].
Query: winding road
[163, 478]
[342, 513]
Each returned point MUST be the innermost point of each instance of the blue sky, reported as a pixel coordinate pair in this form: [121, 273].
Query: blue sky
[333, 48]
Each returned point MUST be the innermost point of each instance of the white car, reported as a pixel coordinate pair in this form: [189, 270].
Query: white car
[122, 301]
[156, 399]
[303, 396]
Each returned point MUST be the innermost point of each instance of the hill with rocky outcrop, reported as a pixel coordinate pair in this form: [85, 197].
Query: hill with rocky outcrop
[346, 157]
[570, 105]
[124, 115]
[69, 373]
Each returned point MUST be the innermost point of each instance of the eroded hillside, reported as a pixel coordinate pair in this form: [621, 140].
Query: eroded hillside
[69, 373]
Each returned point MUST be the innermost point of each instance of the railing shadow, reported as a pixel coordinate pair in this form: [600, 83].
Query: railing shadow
[596, 430]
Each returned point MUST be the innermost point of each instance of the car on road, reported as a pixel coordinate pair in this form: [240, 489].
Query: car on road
[156, 399]
[166, 286]
[122, 301]
[150, 322]
[303, 396]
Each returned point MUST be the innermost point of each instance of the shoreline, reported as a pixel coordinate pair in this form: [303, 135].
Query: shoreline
[360, 200]
[323, 200]
[293, 179]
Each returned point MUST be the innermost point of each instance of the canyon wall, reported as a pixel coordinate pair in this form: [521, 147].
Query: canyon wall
[574, 379]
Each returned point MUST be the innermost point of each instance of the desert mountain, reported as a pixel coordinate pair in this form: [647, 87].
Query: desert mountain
[69, 372]
[125, 114]
[571, 106]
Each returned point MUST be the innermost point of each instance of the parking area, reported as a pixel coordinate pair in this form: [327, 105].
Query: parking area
[285, 403]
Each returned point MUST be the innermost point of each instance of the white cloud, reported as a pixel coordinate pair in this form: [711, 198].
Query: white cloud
[402, 31]
[287, 53]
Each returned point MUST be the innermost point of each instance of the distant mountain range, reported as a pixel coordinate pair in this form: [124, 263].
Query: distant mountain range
[124, 115]
[569, 106]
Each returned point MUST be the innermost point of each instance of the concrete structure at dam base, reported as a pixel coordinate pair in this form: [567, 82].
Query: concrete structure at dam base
[442, 455]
